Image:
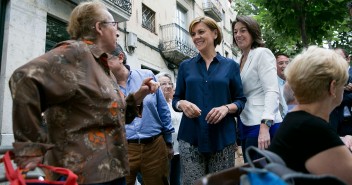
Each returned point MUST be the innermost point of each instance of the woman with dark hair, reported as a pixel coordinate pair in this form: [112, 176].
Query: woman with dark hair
[260, 85]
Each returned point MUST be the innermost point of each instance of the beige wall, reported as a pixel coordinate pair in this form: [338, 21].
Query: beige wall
[24, 39]
[165, 14]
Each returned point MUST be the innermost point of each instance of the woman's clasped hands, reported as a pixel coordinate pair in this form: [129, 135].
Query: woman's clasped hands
[189, 109]
[216, 114]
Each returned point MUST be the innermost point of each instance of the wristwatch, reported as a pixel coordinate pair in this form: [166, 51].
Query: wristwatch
[267, 122]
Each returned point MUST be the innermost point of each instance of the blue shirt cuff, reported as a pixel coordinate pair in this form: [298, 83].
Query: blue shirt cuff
[168, 138]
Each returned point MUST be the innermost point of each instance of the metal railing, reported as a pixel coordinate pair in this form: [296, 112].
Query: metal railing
[123, 4]
[212, 8]
[174, 37]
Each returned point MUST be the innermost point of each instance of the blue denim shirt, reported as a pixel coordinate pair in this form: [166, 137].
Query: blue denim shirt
[219, 85]
[156, 117]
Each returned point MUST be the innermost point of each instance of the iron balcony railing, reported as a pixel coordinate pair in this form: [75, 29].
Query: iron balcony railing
[123, 4]
[176, 43]
[212, 8]
[121, 10]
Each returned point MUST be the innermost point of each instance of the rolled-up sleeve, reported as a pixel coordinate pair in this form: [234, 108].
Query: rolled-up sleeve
[165, 117]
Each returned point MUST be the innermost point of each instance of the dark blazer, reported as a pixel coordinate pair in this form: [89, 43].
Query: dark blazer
[337, 115]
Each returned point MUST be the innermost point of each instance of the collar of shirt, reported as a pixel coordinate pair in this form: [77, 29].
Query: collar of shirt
[125, 90]
[98, 54]
[281, 81]
[217, 58]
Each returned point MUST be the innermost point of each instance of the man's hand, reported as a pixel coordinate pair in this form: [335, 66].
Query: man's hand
[348, 87]
[170, 150]
[148, 86]
[151, 84]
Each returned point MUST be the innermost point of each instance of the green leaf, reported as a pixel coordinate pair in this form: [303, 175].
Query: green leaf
[283, 22]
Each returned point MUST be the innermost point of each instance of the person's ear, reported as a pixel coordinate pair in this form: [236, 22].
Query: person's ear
[332, 88]
[98, 28]
[121, 56]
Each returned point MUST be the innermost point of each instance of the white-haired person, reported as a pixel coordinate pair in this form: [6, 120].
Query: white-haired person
[168, 87]
[317, 77]
[289, 97]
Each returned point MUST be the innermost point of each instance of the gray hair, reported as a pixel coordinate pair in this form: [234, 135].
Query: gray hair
[163, 74]
[288, 94]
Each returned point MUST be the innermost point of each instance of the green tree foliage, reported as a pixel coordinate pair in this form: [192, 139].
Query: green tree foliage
[289, 25]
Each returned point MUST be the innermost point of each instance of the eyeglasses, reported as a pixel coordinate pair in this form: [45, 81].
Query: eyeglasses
[114, 24]
[165, 84]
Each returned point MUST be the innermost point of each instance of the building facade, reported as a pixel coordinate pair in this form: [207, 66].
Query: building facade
[153, 33]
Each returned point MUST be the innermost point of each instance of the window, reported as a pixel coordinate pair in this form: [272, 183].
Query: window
[148, 18]
[55, 32]
[181, 20]
[181, 17]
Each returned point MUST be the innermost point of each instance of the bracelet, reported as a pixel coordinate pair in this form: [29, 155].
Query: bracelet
[228, 109]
